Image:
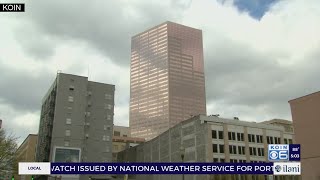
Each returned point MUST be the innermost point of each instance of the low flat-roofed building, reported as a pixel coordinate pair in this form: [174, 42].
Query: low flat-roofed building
[210, 139]
[121, 140]
[26, 153]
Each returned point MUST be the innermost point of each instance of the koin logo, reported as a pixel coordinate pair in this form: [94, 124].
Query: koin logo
[278, 152]
[273, 155]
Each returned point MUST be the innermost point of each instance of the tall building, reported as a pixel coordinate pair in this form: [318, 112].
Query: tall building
[167, 78]
[210, 139]
[26, 153]
[305, 115]
[76, 122]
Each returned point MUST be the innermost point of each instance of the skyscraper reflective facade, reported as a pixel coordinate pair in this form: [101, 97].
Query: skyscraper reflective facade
[167, 78]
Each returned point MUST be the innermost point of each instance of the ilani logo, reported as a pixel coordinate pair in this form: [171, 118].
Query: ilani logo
[278, 152]
[287, 168]
[277, 168]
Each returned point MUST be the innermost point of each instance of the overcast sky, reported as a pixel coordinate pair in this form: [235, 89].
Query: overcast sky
[257, 55]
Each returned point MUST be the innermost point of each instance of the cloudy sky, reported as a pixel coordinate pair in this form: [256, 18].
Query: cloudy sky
[258, 54]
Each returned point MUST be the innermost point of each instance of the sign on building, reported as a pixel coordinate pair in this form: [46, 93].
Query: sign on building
[69, 155]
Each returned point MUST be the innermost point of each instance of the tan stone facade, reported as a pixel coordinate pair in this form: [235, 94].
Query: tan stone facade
[211, 139]
[26, 153]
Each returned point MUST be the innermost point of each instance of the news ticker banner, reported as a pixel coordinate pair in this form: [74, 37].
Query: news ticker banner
[274, 168]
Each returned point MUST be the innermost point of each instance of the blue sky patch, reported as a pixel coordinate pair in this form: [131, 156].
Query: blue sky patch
[255, 8]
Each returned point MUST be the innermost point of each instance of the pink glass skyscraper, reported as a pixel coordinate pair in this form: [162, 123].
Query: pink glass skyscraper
[167, 78]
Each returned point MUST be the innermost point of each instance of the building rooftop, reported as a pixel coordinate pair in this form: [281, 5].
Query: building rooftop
[26, 140]
[215, 119]
[127, 139]
[166, 22]
[299, 98]
[279, 121]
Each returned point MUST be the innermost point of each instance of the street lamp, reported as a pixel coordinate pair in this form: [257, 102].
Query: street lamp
[182, 152]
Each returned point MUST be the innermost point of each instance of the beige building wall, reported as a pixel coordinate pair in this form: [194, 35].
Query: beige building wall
[26, 153]
[209, 139]
[121, 131]
[305, 115]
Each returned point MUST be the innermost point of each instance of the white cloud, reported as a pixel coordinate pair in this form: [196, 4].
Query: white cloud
[253, 67]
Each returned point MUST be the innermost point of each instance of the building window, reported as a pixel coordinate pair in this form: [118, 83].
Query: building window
[222, 160]
[108, 138]
[260, 151]
[104, 127]
[87, 114]
[269, 139]
[108, 106]
[116, 147]
[104, 138]
[68, 121]
[108, 117]
[241, 150]
[108, 96]
[215, 160]
[70, 99]
[233, 160]
[215, 148]
[220, 134]
[66, 143]
[252, 151]
[290, 141]
[232, 136]
[69, 109]
[251, 138]
[116, 133]
[232, 149]
[214, 134]
[68, 132]
[71, 88]
[240, 136]
[107, 149]
[89, 93]
[259, 139]
[221, 148]
[285, 141]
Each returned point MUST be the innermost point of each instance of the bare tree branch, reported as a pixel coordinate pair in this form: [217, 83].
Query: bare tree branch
[8, 147]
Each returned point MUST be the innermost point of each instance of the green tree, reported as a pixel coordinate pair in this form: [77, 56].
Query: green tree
[8, 147]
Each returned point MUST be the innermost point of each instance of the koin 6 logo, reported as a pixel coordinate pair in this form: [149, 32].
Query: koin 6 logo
[278, 152]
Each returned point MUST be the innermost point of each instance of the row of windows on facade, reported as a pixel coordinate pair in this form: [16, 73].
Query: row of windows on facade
[251, 137]
[234, 160]
[106, 106]
[104, 137]
[241, 150]
[67, 144]
[117, 133]
[69, 122]
[107, 96]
